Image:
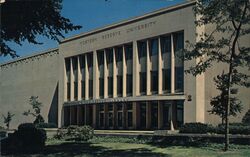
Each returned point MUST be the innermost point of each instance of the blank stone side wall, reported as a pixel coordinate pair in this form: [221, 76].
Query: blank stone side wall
[33, 76]
[243, 93]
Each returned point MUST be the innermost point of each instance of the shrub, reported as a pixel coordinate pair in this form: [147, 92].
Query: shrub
[61, 134]
[30, 135]
[238, 124]
[2, 133]
[26, 139]
[200, 128]
[78, 133]
[246, 118]
[233, 124]
[26, 126]
[196, 128]
[234, 129]
[46, 125]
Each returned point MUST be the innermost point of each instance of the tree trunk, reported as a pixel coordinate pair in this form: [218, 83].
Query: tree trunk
[227, 127]
[229, 81]
[231, 66]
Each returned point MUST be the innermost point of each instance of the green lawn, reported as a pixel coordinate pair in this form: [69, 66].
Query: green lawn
[55, 148]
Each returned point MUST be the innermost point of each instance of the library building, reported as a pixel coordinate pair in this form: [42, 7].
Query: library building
[128, 75]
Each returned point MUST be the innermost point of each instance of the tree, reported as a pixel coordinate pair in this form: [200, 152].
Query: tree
[8, 119]
[231, 21]
[217, 102]
[23, 20]
[36, 106]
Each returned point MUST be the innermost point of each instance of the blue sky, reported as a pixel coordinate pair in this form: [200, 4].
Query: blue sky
[92, 14]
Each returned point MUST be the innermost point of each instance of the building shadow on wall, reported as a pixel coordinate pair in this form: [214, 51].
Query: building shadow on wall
[53, 110]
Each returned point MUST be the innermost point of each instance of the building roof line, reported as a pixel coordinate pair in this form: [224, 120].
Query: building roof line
[129, 21]
[29, 56]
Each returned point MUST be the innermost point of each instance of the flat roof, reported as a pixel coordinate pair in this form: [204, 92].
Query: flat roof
[131, 20]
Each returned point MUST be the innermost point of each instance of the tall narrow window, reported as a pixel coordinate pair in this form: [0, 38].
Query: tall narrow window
[166, 58]
[129, 84]
[154, 82]
[129, 63]
[75, 72]
[179, 61]
[68, 91]
[143, 83]
[109, 59]
[82, 69]
[83, 89]
[67, 66]
[90, 69]
[101, 88]
[109, 55]
[119, 85]
[118, 54]
[90, 89]
[90, 60]
[166, 80]
[166, 44]
[75, 90]
[119, 66]
[153, 47]
[75, 64]
[110, 86]
[129, 52]
[100, 57]
[142, 49]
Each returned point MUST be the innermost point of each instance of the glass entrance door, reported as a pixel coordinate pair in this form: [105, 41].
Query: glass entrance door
[154, 114]
[142, 115]
[166, 115]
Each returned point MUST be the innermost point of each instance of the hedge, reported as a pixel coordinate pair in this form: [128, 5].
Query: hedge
[195, 128]
[200, 128]
[233, 129]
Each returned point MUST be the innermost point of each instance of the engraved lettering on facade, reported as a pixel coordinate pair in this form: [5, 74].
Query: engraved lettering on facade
[141, 26]
[111, 35]
[88, 41]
